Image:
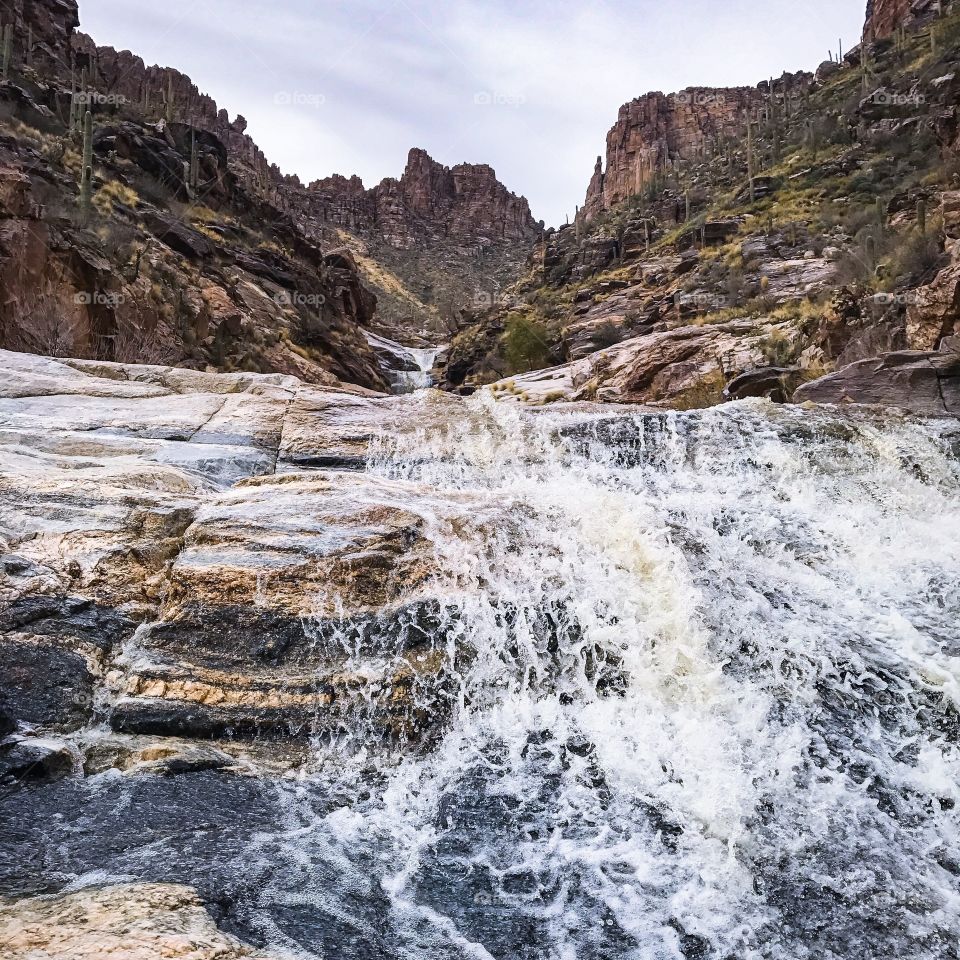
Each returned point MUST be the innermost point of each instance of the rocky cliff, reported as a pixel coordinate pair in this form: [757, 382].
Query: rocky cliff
[713, 260]
[655, 131]
[884, 17]
[429, 203]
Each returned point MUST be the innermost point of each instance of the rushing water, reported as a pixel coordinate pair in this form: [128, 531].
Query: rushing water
[701, 701]
[703, 696]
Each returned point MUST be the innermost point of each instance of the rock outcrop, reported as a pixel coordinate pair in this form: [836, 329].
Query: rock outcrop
[429, 203]
[657, 130]
[686, 367]
[884, 17]
[926, 384]
[41, 32]
[157, 502]
[132, 921]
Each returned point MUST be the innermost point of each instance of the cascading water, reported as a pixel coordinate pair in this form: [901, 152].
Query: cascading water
[701, 700]
[410, 380]
[408, 369]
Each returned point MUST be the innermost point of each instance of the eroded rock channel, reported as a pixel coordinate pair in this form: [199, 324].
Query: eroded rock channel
[288, 671]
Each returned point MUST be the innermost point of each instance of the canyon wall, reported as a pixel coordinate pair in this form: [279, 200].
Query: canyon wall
[428, 202]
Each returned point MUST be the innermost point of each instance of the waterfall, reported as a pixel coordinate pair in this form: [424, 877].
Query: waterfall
[701, 698]
[408, 369]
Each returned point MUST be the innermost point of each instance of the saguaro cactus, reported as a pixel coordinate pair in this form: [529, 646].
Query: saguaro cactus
[194, 162]
[78, 103]
[7, 49]
[168, 101]
[922, 215]
[86, 172]
[881, 214]
[750, 160]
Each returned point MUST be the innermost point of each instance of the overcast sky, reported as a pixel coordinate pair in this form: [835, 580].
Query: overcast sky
[529, 86]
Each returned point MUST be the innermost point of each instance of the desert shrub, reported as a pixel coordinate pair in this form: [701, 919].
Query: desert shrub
[526, 344]
[112, 193]
[915, 256]
[49, 331]
[134, 344]
[778, 349]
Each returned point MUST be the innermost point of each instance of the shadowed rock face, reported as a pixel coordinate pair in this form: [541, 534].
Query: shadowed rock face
[49, 23]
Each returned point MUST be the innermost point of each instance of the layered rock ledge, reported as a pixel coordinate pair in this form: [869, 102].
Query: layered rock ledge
[184, 554]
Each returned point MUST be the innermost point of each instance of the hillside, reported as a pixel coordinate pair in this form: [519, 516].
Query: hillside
[186, 246]
[779, 232]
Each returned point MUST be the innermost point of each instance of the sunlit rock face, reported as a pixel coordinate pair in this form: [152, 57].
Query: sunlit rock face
[885, 16]
[132, 921]
[293, 671]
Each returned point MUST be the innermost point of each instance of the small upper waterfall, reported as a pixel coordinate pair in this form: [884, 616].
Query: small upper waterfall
[408, 368]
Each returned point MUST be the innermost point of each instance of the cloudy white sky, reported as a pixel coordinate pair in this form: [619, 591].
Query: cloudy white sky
[528, 86]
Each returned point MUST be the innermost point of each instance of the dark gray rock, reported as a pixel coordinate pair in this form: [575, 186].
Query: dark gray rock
[44, 684]
[26, 760]
[774, 383]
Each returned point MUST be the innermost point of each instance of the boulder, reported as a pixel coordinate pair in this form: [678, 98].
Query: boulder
[774, 383]
[826, 70]
[926, 384]
[36, 760]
